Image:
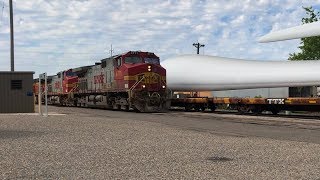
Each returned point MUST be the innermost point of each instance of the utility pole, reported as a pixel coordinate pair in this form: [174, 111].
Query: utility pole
[11, 36]
[40, 94]
[198, 46]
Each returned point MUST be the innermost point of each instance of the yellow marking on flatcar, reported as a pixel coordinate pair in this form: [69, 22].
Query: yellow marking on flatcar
[252, 100]
[313, 102]
[226, 100]
[288, 101]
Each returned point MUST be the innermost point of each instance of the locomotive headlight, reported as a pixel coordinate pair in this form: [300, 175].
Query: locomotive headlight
[149, 68]
[163, 87]
[143, 86]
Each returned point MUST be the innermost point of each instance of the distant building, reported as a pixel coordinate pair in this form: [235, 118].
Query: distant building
[16, 92]
[251, 93]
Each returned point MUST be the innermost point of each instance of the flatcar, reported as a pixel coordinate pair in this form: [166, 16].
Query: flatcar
[133, 79]
[248, 105]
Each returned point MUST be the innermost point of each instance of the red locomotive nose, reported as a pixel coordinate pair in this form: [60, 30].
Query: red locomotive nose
[70, 84]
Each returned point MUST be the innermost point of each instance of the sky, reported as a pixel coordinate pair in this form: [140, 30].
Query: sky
[55, 35]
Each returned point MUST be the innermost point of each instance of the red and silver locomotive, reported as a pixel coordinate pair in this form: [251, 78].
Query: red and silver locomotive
[131, 80]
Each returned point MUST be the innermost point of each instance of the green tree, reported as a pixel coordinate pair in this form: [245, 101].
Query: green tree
[309, 50]
[310, 46]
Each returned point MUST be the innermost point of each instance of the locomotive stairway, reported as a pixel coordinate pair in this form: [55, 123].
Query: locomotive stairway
[70, 97]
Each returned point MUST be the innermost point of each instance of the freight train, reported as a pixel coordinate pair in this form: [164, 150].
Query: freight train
[133, 79]
[136, 80]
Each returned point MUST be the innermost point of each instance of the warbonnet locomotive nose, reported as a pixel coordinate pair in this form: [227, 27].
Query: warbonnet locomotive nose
[153, 79]
[147, 79]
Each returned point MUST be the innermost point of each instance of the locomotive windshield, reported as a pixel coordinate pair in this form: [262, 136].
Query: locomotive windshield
[132, 60]
[152, 60]
[70, 73]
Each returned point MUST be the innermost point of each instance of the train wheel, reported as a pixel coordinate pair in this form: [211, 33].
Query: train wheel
[257, 110]
[242, 109]
[275, 111]
[136, 110]
[197, 108]
[188, 107]
[213, 108]
[126, 108]
[75, 103]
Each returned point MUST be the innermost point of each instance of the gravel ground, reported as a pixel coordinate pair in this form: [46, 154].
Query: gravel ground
[96, 144]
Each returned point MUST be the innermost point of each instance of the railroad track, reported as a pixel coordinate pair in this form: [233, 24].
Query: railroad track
[292, 121]
[295, 115]
[300, 115]
[298, 121]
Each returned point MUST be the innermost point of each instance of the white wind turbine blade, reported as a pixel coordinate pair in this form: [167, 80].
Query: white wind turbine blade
[302, 31]
[206, 73]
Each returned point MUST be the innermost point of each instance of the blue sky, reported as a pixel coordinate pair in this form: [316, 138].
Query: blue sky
[53, 35]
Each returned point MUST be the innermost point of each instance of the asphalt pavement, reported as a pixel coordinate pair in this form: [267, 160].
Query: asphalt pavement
[78, 143]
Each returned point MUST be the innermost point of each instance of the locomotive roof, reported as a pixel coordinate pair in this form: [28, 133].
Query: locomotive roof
[82, 68]
[118, 55]
[80, 71]
[110, 58]
[49, 79]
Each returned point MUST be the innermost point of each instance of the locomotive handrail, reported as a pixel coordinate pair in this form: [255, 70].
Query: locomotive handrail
[72, 90]
[136, 84]
[75, 87]
[171, 92]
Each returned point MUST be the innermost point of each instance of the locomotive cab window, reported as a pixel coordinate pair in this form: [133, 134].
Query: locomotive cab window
[152, 60]
[132, 60]
[119, 62]
[104, 64]
[70, 73]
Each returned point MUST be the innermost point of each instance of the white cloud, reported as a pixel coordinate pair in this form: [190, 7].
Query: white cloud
[53, 35]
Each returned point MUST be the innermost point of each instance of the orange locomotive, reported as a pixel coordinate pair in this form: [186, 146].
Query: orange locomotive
[131, 80]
